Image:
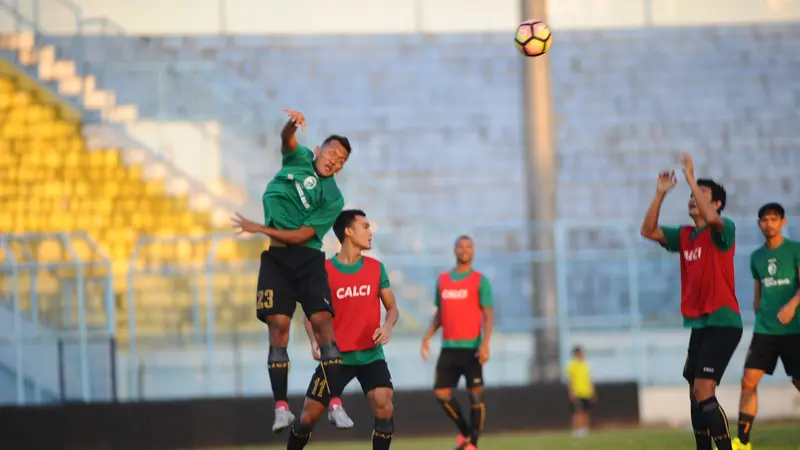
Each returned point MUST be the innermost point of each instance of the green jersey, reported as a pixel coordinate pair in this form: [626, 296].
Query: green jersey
[776, 269]
[298, 197]
[361, 357]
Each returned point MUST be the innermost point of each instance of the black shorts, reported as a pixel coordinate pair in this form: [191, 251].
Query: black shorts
[289, 275]
[765, 350]
[710, 351]
[581, 404]
[455, 362]
[370, 376]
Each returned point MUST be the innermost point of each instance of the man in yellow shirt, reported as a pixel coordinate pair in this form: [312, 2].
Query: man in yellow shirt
[581, 392]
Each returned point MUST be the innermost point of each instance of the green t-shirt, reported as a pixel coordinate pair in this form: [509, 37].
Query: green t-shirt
[776, 269]
[724, 241]
[486, 300]
[297, 196]
[362, 357]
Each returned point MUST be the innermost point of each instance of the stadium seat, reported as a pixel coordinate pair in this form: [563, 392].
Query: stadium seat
[50, 182]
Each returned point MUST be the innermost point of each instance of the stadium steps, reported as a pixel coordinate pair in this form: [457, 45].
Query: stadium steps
[52, 182]
[63, 76]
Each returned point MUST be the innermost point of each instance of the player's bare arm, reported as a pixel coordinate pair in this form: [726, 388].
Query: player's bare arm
[650, 228]
[488, 327]
[384, 333]
[288, 139]
[787, 312]
[707, 211]
[291, 237]
[756, 295]
[311, 339]
[436, 323]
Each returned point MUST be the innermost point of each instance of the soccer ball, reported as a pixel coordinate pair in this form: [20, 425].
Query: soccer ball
[533, 38]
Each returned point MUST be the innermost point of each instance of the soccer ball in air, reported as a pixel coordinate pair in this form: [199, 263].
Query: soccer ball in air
[533, 38]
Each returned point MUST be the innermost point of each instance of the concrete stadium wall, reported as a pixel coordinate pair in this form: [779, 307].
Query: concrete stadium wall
[234, 421]
[395, 16]
[778, 400]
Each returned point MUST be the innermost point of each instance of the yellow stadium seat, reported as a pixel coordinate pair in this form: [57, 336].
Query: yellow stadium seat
[51, 182]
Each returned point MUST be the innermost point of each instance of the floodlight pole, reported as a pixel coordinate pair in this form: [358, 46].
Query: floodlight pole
[541, 176]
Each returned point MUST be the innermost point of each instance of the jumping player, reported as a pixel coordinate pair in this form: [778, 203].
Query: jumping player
[775, 268]
[581, 392]
[463, 302]
[359, 285]
[301, 204]
[708, 298]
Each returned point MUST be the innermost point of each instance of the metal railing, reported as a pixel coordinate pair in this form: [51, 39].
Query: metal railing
[54, 284]
[190, 329]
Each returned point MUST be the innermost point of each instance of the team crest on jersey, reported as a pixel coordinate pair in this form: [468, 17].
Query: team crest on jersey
[310, 183]
[772, 266]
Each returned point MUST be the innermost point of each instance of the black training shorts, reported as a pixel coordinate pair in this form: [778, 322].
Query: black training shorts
[581, 404]
[710, 351]
[289, 275]
[370, 376]
[455, 362]
[765, 349]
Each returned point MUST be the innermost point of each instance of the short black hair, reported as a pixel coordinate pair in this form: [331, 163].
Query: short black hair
[461, 238]
[772, 208]
[576, 350]
[718, 193]
[345, 220]
[342, 140]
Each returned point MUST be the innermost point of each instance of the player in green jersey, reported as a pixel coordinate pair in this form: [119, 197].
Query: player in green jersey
[775, 268]
[301, 204]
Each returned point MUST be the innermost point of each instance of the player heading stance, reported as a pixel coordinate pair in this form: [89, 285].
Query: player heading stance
[708, 298]
[359, 284]
[463, 302]
[775, 268]
[300, 205]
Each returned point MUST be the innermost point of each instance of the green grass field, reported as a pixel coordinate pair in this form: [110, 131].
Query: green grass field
[765, 437]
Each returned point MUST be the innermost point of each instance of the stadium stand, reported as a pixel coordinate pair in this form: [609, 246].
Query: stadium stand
[51, 182]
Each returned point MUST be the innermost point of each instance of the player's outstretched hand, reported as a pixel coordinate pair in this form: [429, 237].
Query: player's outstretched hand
[242, 225]
[786, 314]
[425, 350]
[296, 117]
[666, 181]
[483, 353]
[688, 166]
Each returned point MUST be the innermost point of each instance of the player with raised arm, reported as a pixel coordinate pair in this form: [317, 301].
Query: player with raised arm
[359, 285]
[708, 297]
[464, 305]
[775, 268]
[301, 204]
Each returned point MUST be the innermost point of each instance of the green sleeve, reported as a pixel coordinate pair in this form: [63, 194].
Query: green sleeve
[322, 220]
[485, 291]
[384, 278]
[436, 296]
[724, 238]
[797, 255]
[300, 156]
[673, 238]
[753, 266]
